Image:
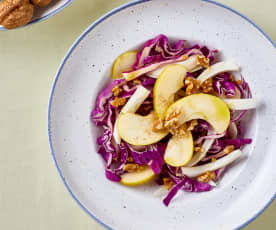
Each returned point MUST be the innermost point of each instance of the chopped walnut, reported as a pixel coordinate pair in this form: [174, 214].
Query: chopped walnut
[207, 86]
[180, 131]
[203, 61]
[192, 124]
[137, 82]
[132, 167]
[192, 85]
[213, 159]
[130, 159]
[116, 91]
[198, 149]
[232, 78]
[172, 119]
[118, 101]
[158, 125]
[238, 82]
[228, 149]
[206, 177]
[168, 183]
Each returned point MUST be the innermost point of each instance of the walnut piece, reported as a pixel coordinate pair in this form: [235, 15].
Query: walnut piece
[207, 86]
[213, 159]
[171, 120]
[130, 159]
[116, 91]
[180, 131]
[192, 85]
[41, 3]
[132, 167]
[198, 149]
[168, 183]
[192, 124]
[158, 125]
[118, 101]
[206, 177]
[15, 13]
[228, 149]
[137, 82]
[203, 61]
[238, 82]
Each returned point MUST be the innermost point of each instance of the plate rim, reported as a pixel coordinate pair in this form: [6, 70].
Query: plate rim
[72, 48]
[52, 13]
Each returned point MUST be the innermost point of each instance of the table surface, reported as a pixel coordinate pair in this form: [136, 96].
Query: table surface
[32, 195]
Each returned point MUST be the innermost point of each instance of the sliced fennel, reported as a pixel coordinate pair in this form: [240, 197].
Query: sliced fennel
[241, 104]
[191, 65]
[151, 67]
[217, 68]
[198, 170]
[132, 105]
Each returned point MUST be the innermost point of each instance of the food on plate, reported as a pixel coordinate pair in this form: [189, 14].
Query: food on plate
[16, 13]
[172, 114]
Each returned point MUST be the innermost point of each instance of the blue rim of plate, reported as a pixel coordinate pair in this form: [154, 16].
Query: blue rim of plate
[44, 17]
[91, 27]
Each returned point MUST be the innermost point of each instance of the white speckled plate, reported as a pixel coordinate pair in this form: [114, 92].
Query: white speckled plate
[247, 187]
[42, 13]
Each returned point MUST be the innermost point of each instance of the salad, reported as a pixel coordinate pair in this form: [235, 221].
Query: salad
[172, 114]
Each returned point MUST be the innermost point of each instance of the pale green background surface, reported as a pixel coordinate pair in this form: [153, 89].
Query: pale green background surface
[32, 196]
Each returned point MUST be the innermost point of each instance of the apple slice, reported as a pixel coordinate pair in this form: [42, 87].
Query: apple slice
[137, 178]
[132, 105]
[123, 63]
[217, 68]
[168, 83]
[201, 106]
[138, 130]
[191, 65]
[179, 150]
[222, 162]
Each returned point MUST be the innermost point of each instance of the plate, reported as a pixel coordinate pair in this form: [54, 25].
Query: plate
[245, 190]
[40, 14]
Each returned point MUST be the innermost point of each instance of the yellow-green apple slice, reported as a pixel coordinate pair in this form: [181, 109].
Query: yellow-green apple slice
[179, 150]
[138, 130]
[191, 65]
[168, 83]
[132, 105]
[222, 162]
[143, 70]
[241, 104]
[137, 178]
[123, 63]
[201, 106]
[217, 68]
